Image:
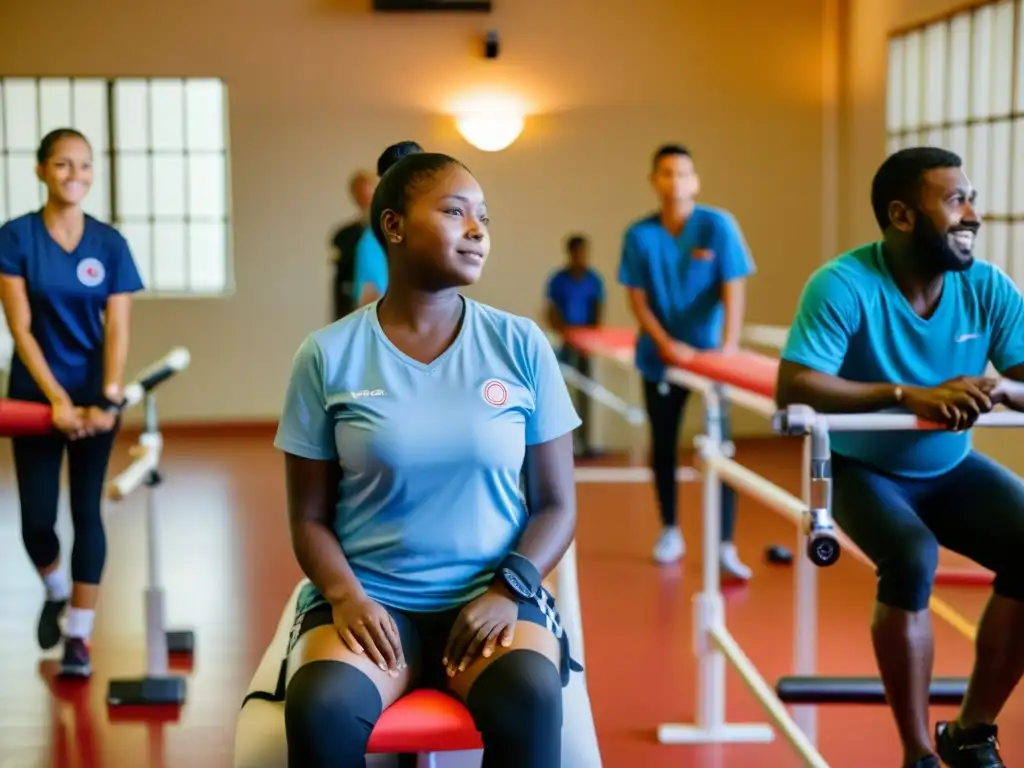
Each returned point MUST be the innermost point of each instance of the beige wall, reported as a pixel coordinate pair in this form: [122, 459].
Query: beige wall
[866, 27]
[318, 87]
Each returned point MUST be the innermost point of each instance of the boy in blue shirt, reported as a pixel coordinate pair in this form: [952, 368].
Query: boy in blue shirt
[575, 297]
[911, 323]
[684, 269]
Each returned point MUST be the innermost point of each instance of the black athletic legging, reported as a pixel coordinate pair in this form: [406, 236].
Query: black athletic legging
[37, 464]
[665, 406]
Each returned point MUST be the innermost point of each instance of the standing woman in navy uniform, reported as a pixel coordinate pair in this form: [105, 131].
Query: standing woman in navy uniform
[67, 282]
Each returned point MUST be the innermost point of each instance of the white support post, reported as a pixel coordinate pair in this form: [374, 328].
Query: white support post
[156, 624]
[711, 726]
[805, 588]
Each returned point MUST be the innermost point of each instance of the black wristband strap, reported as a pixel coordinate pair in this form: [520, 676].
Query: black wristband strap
[108, 405]
[520, 576]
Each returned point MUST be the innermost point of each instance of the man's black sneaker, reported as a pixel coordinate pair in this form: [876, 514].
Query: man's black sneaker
[48, 632]
[974, 747]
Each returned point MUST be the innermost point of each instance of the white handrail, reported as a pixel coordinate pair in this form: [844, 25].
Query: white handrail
[896, 422]
[764, 694]
[758, 487]
[147, 458]
[714, 644]
[769, 336]
[632, 414]
[742, 397]
[148, 450]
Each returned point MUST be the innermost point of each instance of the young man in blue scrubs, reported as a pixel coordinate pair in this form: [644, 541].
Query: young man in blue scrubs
[370, 275]
[684, 269]
[910, 323]
[575, 295]
[67, 283]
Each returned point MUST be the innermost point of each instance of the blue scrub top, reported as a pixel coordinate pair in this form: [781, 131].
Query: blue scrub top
[683, 277]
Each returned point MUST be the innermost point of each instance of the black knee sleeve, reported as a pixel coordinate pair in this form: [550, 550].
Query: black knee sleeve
[905, 580]
[330, 709]
[1009, 583]
[516, 704]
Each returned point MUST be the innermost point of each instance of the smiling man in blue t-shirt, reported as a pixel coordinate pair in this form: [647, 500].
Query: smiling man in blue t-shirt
[911, 323]
[684, 269]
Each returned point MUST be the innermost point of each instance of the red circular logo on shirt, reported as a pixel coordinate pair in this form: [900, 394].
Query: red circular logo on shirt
[495, 392]
[90, 272]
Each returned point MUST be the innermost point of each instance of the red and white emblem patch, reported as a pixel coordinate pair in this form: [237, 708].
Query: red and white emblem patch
[495, 393]
[90, 272]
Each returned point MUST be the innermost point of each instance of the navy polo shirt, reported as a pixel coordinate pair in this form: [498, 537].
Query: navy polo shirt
[67, 294]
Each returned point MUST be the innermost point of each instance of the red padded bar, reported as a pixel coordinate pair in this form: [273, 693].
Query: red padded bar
[751, 371]
[19, 418]
[424, 721]
[964, 577]
[596, 340]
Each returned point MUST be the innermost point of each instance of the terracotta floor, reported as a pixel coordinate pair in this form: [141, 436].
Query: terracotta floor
[228, 568]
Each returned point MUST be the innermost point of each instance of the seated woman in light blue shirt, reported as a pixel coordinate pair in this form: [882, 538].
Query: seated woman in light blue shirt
[407, 427]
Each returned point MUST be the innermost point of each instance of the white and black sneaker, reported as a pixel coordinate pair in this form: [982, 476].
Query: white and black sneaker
[670, 546]
[76, 661]
[48, 632]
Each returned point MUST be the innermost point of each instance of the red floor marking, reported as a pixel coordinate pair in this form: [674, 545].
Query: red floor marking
[228, 569]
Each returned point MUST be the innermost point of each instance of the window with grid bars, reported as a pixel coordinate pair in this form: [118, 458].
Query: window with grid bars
[958, 83]
[161, 168]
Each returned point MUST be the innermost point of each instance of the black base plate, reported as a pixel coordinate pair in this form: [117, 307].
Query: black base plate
[146, 691]
[183, 641]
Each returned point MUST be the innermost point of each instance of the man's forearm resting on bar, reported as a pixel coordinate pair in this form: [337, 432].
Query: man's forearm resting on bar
[798, 384]
[956, 403]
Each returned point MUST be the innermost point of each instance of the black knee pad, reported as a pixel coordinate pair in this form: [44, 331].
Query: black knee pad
[905, 581]
[330, 709]
[516, 704]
